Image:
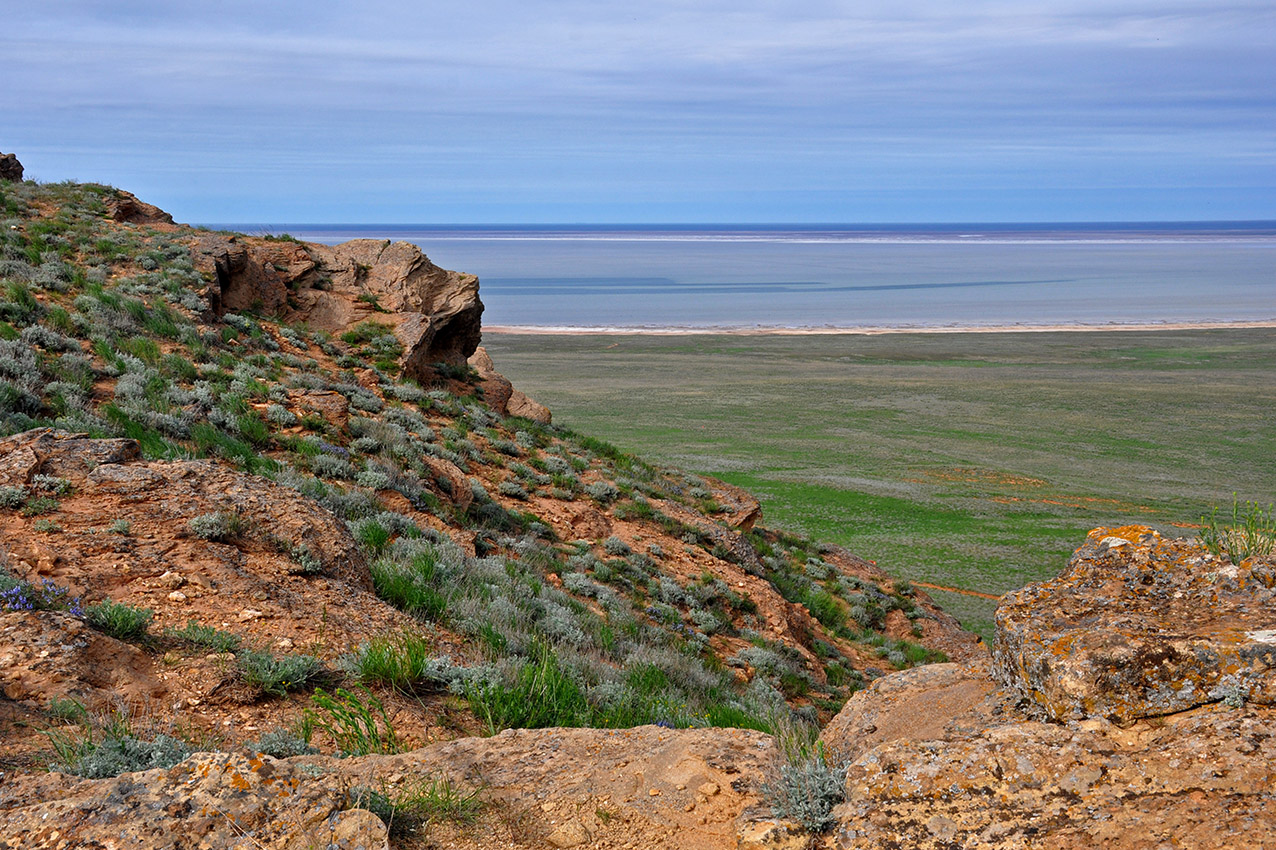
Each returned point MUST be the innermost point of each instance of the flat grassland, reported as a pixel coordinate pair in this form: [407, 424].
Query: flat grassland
[976, 461]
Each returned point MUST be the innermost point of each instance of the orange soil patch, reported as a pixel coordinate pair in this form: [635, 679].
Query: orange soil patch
[963, 592]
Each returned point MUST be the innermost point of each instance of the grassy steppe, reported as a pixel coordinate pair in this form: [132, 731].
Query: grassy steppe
[976, 461]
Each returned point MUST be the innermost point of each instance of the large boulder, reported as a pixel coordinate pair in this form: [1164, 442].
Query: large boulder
[1201, 779]
[435, 313]
[126, 207]
[501, 395]
[1130, 708]
[1140, 626]
[10, 168]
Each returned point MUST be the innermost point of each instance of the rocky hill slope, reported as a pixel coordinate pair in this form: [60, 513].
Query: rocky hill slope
[287, 563]
[243, 468]
[1020, 752]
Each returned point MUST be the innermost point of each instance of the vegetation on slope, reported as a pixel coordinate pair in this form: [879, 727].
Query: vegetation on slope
[106, 329]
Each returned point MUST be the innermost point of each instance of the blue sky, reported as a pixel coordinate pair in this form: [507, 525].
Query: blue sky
[734, 111]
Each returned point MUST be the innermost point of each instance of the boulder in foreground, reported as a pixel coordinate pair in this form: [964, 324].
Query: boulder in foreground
[1140, 626]
[1134, 711]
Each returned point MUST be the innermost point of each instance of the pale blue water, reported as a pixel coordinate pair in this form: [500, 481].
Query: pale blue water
[913, 276]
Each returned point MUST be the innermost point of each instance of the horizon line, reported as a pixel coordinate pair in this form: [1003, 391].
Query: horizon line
[747, 224]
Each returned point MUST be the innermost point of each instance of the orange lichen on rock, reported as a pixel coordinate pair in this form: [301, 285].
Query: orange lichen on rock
[1140, 626]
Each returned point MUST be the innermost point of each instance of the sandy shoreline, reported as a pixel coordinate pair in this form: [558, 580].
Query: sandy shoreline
[875, 331]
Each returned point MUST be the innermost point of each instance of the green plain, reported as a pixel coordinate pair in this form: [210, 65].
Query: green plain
[975, 460]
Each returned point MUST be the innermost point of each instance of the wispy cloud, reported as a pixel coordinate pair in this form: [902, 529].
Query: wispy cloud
[682, 107]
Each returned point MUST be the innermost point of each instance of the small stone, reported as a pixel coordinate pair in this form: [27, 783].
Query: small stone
[708, 789]
[177, 596]
[172, 580]
[569, 834]
[654, 792]
[259, 595]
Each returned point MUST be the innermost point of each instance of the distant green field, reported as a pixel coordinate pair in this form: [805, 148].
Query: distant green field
[977, 461]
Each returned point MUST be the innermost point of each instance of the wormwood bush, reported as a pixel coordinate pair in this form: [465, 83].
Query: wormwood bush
[221, 527]
[603, 492]
[808, 788]
[811, 780]
[277, 675]
[102, 747]
[512, 489]
[615, 546]
[283, 743]
[13, 497]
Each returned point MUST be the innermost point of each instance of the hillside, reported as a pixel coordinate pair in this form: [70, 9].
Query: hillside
[309, 466]
[286, 563]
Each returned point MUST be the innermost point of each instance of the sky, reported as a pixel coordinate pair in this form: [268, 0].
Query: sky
[525, 111]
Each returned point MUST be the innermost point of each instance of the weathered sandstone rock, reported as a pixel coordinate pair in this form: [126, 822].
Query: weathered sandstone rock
[125, 206]
[46, 655]
[921, 704]
[1119, 655]
[501, 395]
[1201, 779]
[435, 313]
[210, 801]
[10, 168]
[1139, 626]
[649, 787]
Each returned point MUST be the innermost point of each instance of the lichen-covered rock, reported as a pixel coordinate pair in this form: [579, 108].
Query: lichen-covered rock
[648, 787]
[210, 801]
[1201, 779]
[1140, 626]
[1108, 730]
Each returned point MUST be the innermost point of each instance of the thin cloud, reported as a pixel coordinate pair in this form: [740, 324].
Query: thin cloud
[548, 97]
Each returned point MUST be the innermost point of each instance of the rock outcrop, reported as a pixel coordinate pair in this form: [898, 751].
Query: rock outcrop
[501, 395]
[1140, 626]
[435, 313]
[938, 757]
[648, 787]
[1130, 708]
[125, 207]
[10, 168]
